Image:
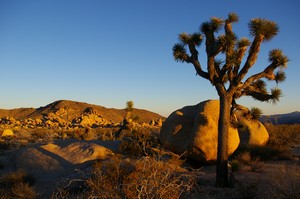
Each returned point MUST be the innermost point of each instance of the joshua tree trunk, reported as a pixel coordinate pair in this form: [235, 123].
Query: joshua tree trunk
[223, 127]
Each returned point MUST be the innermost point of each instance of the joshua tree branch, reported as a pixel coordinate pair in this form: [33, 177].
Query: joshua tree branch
[259, 96]
[199, 70]
[251, 59]
[268, 73]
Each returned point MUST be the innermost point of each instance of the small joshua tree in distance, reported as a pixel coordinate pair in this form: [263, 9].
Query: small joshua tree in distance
[129, 110]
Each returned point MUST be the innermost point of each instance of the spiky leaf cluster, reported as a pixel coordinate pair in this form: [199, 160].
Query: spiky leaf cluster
[214, 25]
[263, 27]
[276, 93]
[179, 53]
[243, 42]
[260, 86]
[280, 76]
[190, 39]
[227, 41]
[255, 113]
[277, 57]
[232, 18]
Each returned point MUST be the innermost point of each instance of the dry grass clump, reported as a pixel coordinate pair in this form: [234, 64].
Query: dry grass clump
[17, 185]
[282, 183]
[244, 158]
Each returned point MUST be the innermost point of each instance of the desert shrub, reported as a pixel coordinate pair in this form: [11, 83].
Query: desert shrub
[264, 153]
[139, 143]
[158, 179]
[120, 177]
[244, 157]
[108, 178]
[282, 183]
[89, 134]
[105, 133]
[256, 165]
[42, 133]
[7, 144]
[70, 188]
[235, 165]
[17, 184]
[250, 156]
[77, 134]
[38, 134]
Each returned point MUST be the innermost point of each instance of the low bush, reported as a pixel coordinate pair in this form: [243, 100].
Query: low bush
[256, 165]
[244, 157]
[235, 165]
[158, 179]
[139, 143]
[17, 184]
[105, 133]
[121, 177]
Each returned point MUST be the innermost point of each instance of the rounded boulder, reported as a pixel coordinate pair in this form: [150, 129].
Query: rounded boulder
[252, 132]
[194, 130]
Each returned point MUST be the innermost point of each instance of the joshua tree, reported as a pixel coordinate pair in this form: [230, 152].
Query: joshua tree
[128, 109]
[228, 76]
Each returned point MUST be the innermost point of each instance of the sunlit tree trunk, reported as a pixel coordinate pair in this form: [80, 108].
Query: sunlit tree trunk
[223, 127]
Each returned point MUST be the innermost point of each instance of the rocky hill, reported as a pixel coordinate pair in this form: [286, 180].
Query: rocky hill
[288, 118]
[66, 113]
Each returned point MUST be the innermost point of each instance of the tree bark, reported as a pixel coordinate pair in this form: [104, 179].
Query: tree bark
[223, 127]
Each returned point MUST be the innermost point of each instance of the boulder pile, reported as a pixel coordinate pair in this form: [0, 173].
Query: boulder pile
[63, 119]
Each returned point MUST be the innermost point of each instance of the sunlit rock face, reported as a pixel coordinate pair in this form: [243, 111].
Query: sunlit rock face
[57, 158]
[252, 132]
[194, 130]
[7, 133]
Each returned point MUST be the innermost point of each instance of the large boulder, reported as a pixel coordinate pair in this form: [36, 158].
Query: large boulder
[194, 129]
[252, 132]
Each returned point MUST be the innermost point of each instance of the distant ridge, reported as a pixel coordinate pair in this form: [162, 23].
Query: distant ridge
[69, 110]
[287, 118]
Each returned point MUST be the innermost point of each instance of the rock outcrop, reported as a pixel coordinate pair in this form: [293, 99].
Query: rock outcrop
[252, 132]
[65, 115]
[194, 129]
[58, 157]
[7, 133]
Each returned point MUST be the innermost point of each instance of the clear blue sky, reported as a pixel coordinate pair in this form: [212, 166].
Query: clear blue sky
[109, 52]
